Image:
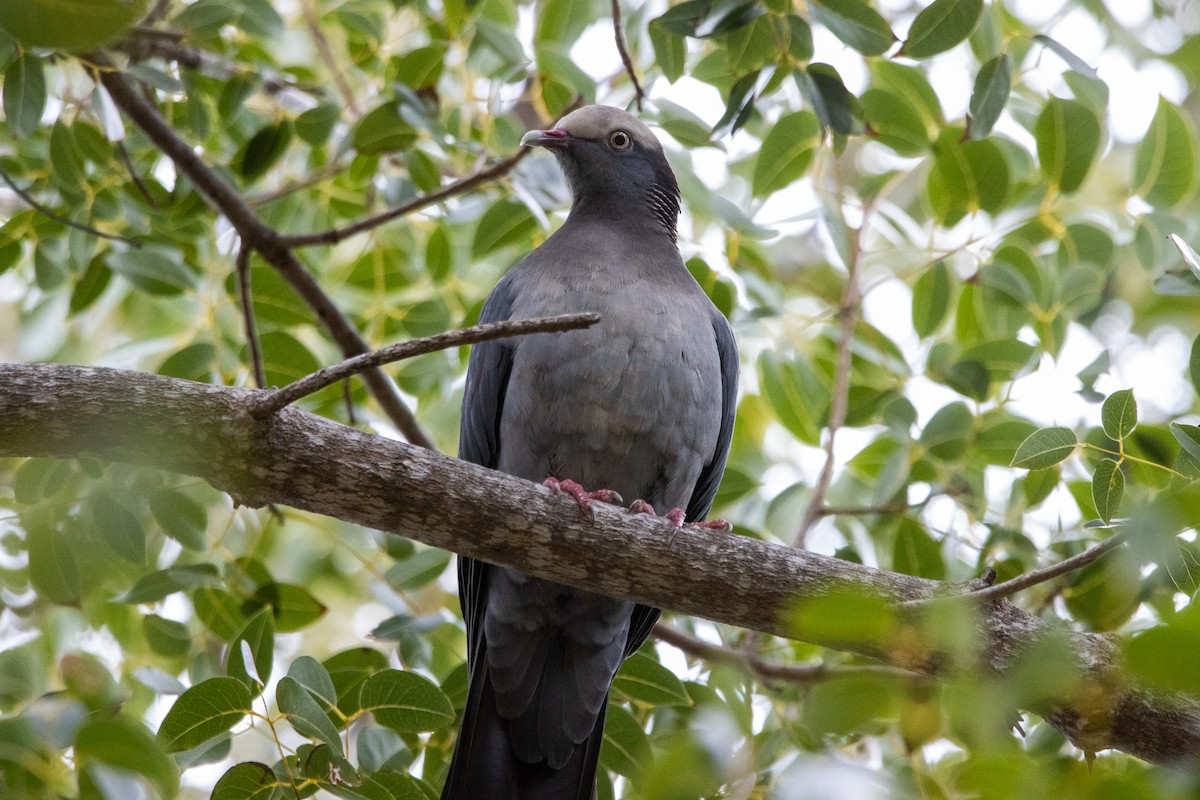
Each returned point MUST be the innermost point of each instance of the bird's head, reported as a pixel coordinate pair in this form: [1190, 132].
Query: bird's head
[612, 162]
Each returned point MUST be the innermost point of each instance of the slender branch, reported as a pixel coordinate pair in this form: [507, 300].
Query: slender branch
[47, 212]
[262, 238]
[335, 235]
[619, 35]
[246, 299]
[144, 43]
[264, 405]
[325, 52]
[313, 464]
[768, 670]
[839, 399]
[1078, 561]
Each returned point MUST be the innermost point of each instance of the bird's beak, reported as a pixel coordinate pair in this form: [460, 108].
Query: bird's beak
[554, 139]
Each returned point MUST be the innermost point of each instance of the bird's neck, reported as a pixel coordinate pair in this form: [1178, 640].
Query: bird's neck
[653, 212]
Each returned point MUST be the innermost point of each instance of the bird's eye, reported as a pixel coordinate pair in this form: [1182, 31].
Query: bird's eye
[620, 140]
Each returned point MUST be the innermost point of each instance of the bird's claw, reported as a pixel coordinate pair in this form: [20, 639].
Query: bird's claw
[583, 498]
[640, 506]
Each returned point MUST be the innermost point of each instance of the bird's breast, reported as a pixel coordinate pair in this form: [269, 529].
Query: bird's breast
[632, 404]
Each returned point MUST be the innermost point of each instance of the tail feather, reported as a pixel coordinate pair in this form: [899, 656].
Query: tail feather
[485, 765]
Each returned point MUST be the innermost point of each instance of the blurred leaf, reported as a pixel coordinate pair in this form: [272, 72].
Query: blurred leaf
[1188, 437]
[383, 130]
[989, 96]
[419, 569]
[1068, 139]
[1164, 169]
[24, 94]
[155, 271]
[670, 50]
[1108, 486]
[795, 394]
[915, 552]
[263, 150]
[786, 151]
[967, 176]
[949, 432]
[941, 25]
[259, 638]
[154, 586]
[127, 745]
[931, 299]
[829, 97]
[856, 24]
[1073, 61]
[505, 223]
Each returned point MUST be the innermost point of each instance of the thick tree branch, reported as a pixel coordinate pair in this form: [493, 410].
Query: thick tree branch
[310, 463]
[260, 237]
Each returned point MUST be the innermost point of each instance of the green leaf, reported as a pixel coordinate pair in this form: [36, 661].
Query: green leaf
[1044, 448]
[305, 714]
[383, 130]
[119, 528]
[285, 358]
[1108, 485]
[259, 636]
[1188, 437]
[786, 151]
[1068, 138]
[294, 606]
[670, 51]
[856, 24]
[949, 432]
[406, 702]
[203, 711]
[644, 679]
[180, 517]
[128, 745]
[419, 569]
[22, 674]
[836, 107]
[916, 553]
[53, 569]
[154, 271]
[219, 611]
[1118, 415]
[263, 150]
[166, 636]
[349, 670]
[940, 26]
[1073, 61]
[795, 394]
[989, 96]
[421, 68]
[507, 222]
[967, 176]
[1194, 364]
[626, 748]
[155, 586]
[1165, 657]
[249, 780]
[931, 299]
[315, 125]
[1164, 169]
[90, 285]
[24, 94]
[312, 675]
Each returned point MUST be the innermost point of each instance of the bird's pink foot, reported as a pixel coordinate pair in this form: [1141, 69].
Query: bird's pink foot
[640, 506]
[583, 498]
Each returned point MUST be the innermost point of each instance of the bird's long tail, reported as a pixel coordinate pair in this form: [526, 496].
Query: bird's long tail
[485, 766]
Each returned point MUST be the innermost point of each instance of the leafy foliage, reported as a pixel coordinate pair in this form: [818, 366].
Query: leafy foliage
[916, 219]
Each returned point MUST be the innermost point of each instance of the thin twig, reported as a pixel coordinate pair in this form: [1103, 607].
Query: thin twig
[258, 235]
[862, 511]
[123, 155]
[325, 52]
[1071, 564]
[44, 211]
[619, 34]
[335, 235]
[848, 312]
[246, 299]
[768, 670]
[265, 404]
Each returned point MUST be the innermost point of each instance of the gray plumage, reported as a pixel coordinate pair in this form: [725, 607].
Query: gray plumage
[641, 403]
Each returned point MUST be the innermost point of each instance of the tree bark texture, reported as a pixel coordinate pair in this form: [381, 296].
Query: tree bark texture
[301, 460]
